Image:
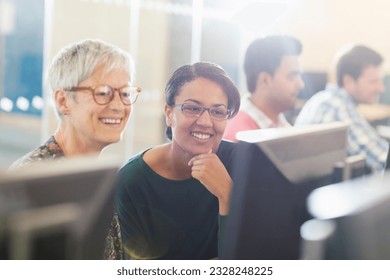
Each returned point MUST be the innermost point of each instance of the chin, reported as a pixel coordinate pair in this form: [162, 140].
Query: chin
[199, 151]
[113, 140]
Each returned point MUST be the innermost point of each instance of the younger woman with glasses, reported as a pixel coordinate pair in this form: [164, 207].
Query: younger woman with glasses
[90, 82]
[172, 198]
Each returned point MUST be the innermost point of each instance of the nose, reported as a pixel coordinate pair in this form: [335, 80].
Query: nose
[301, 83]
[116, 101]
[205, 119]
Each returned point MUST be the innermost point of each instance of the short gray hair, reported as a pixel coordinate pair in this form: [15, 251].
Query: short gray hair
[77, 62]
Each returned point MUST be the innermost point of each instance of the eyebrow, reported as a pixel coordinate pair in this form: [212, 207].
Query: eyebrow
[200, 103]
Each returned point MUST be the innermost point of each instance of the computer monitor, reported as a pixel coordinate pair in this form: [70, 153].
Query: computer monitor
[357, 224]
[57, 210]
[314, 82]
[302, 153]
[273, 173]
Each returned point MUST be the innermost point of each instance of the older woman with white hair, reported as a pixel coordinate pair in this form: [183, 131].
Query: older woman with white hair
[91, 85]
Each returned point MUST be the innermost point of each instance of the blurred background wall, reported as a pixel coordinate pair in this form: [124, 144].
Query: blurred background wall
[163, 35]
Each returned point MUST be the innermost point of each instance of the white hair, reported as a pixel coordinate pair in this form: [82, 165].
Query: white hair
[77, 62]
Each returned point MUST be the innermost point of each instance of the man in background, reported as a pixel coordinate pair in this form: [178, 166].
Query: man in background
[273, 76]
[359, 80]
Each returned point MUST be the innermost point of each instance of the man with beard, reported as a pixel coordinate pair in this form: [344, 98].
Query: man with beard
[359, 80]
[274, 80]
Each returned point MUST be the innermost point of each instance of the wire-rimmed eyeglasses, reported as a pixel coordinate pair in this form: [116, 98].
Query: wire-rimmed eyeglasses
[103, 94]
[218, 113]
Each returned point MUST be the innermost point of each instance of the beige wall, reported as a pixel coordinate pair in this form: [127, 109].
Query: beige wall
[326, 25]
[322, 25]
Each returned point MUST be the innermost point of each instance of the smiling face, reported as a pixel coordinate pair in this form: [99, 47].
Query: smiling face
[197, 135]
[93, 124]
[367, 87]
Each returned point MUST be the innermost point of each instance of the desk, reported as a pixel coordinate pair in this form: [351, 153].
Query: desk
[374, 112]
[379, 116]
[384, 131]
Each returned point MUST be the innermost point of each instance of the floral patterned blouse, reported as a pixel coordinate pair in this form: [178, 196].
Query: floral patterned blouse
[52, 151]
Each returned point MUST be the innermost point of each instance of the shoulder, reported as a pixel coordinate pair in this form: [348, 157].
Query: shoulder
[137, 168]
[319, 98]
[332, 96]
[156, 157]
[242, 118]
[242, 121]
[26, 160]
[132, 173]
[133, 164]
[50, 150]
[321, 107]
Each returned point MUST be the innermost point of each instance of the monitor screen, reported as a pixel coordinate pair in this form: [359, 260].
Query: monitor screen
[355, 227]
[57, 210]
[314, 82]
[273, 175]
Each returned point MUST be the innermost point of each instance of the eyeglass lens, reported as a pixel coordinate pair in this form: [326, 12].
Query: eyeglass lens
[219, 112]
[104, 94]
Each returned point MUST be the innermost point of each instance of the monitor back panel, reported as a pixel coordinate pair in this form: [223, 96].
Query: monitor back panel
[266, 209]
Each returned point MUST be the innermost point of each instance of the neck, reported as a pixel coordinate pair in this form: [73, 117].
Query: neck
[266, 107]
[177, 162]
[72, 145]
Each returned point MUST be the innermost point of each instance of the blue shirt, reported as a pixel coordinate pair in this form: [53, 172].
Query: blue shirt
[335, 104]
